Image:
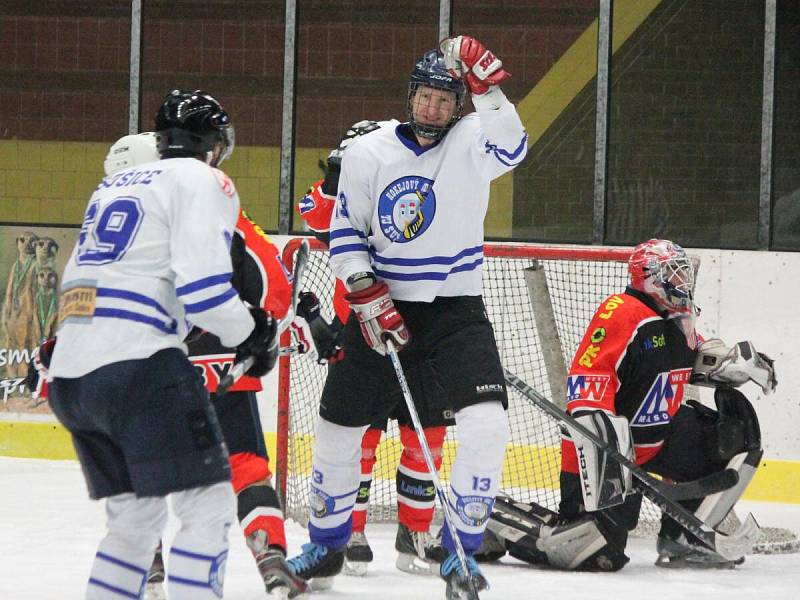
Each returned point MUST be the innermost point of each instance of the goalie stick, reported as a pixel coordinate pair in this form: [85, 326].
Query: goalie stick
[730, 547]
[240, 368]
[426, 452]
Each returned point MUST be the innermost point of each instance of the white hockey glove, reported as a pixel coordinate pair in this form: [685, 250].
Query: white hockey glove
[716, 364]
[468, 59]
[378, 317]
[604, 482]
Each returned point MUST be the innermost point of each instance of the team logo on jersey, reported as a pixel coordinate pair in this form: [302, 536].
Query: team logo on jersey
[224, 182]
[321, 504]
[406, 208]
[587, 387]
[474, 511]
[662, 399]
[306, 204]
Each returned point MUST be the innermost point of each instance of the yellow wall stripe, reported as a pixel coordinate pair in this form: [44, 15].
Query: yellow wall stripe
[775, 480]
[576, 68]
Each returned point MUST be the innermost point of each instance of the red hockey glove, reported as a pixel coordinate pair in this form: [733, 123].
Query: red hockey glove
[378, 317]
[468, 59]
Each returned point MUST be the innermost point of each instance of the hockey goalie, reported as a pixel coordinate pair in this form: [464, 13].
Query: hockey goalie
[626, 385]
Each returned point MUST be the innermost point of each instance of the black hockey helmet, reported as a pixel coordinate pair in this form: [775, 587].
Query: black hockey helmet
[431, 72]
[194, 124]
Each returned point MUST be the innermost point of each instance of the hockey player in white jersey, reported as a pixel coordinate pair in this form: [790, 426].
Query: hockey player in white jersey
[407, 239]
[152, 258]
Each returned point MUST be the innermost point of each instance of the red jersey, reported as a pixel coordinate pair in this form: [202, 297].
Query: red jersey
[316, 208]
[632, 361]
[262, 280]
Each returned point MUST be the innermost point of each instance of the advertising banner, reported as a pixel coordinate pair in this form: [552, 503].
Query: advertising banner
[32, 259]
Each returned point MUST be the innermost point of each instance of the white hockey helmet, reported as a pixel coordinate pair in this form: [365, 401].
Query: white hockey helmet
[131, 150]
[661, 269]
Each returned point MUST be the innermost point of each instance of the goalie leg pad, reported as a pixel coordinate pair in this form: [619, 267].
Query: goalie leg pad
[534, 534]
[604, 482]
[580, 546]
[716, 507]
[734, 406]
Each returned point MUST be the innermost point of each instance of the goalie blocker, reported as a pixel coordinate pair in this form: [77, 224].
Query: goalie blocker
[704, 441]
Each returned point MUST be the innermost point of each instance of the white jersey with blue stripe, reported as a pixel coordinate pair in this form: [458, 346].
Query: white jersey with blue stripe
[152, 258]
[414, 216]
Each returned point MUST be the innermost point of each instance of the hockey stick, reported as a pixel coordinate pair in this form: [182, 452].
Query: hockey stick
[700, 488]
[426, 452]
[240, 368]
[731, 547]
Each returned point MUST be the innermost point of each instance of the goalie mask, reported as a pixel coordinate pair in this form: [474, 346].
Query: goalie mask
[662, 270]
[194, 124]
[430, 74]
[131, 150]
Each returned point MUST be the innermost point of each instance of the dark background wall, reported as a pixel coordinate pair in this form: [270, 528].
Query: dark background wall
[684, 112]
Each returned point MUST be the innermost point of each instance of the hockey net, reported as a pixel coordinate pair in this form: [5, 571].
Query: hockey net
[539, 299]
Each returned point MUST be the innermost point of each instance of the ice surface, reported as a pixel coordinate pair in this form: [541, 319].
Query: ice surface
[49, 530]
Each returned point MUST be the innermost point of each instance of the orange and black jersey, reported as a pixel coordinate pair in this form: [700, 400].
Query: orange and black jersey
[316, 208]
[262, 280]
[632, 361]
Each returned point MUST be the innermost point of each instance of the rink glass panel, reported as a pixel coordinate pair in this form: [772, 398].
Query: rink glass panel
[63, 101]
[354, 60]
[685, 117]
[786, 172]
[235, 53]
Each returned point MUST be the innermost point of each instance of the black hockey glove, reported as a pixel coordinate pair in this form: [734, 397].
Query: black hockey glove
[325, 336]
[261, 344]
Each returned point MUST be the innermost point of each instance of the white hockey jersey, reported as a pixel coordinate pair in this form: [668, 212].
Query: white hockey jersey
[153, 255]
[414, 216]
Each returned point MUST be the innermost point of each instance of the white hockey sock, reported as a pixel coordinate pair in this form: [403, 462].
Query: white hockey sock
[482, 432]
[125, 554]
[199, 552]
[334, 482]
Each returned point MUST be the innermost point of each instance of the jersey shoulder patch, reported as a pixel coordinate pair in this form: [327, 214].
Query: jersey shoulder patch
[225, 182]
[585, 387]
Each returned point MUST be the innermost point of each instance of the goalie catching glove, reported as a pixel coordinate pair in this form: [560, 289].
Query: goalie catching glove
[379, 319]
[319, 338]
[468, 59]
[261, 344]
[718, 364]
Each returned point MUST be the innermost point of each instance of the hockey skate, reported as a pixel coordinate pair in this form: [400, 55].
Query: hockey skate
[279, 580]
[680, 553]
[461, 585]
[317, 565]
[357, 555]
[154, 588]
[418, 552]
